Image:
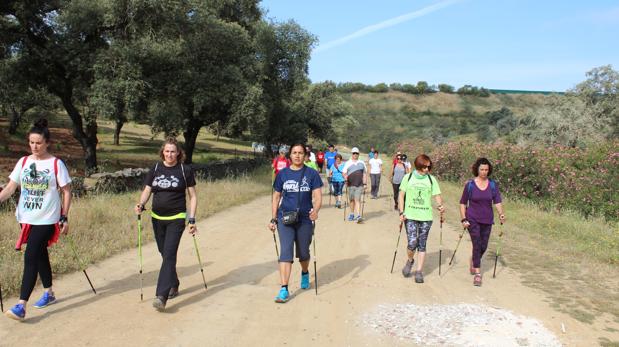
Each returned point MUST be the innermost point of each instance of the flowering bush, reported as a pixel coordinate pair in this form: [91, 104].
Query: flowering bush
[585, 180]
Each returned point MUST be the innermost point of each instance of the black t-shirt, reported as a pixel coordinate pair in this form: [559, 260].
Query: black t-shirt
[168, 187]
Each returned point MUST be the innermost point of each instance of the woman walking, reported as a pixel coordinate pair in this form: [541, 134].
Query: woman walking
[297, 198]
[416, 190]
[476, 212]
[337, 179]
[168, 181]
[41, 212]
[398, 172]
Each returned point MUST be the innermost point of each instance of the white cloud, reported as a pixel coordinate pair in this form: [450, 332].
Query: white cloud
[386, 24]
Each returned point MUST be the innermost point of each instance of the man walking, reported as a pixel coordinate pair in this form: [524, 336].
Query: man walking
[355, 173]
[330, 159]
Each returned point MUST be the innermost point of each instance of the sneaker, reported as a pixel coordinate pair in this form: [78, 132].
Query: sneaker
[173, 293]
[305, 281]
[45, 300]
[16, 312]
[406, 270]
[337, 204]
[418, 277]
[358, 219]
[282, 297]
[159, 303]
[351, 217]
[477, 280]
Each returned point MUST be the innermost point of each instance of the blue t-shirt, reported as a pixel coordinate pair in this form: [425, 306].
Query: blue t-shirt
[338, 175]
[287, 183]
[330, 158]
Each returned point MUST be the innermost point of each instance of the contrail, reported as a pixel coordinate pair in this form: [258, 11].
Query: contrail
[385, 24]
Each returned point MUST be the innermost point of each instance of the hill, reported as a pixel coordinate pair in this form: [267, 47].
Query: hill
[395, 116]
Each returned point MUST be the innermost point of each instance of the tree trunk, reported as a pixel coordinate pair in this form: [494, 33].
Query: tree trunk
[191, 135]
[120, 121]
[14, 121]
[88, 138]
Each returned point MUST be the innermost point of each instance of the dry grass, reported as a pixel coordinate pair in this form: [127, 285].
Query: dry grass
[104, 225]
[564, 255]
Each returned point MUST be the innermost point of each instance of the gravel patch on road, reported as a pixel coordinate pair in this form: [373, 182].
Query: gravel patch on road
[458, 325]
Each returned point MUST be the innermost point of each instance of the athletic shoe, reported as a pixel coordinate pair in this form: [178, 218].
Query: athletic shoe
[173, 293]
[282, 297]
[418, 277]
[351, 217]
[337, 204]
[159, 303]
[16, 312]
[305, 281]
[358, 219]
[45, 300]
[477, 280]
[406, 270]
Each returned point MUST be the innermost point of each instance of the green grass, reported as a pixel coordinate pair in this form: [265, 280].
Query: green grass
[100, 231]
[571, 259]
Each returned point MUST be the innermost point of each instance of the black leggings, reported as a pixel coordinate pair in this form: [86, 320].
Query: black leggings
[396, 192]
[36, 260]
[168, 236]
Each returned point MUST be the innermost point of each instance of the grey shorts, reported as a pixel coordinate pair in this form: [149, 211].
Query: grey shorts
[355, 192]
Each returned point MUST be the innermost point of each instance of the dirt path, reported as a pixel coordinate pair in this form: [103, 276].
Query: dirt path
[238, 308]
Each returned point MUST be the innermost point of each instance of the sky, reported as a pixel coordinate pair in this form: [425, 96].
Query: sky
[544, 45]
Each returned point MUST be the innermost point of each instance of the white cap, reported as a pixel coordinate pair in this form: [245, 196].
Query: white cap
[354, 150]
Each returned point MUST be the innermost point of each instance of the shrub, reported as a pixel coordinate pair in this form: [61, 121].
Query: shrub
[558, 177]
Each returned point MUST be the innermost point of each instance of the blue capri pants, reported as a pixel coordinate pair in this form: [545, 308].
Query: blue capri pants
[296, 236]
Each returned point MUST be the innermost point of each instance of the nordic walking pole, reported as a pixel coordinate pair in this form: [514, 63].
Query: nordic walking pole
[396, 247]
[77, 258]
[315, 272]
[363, 201]
[140, 256]
[458, 244]
[275, 242]
[498, 249]
[195, 244]
[1, 303]
[346, 201]
[440, 247]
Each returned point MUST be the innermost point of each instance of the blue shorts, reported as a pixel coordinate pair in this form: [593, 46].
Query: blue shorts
[299, 235]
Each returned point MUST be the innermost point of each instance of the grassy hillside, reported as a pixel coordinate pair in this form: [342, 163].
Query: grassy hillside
[395, 116]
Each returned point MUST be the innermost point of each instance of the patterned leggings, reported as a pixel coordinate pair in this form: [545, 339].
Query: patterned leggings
[417, 233]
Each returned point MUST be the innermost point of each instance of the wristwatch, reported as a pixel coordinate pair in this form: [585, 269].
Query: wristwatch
[63, 219]
[191, 220]
[274, 221]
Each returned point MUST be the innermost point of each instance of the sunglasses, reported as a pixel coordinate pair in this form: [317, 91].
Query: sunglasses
[356, 153]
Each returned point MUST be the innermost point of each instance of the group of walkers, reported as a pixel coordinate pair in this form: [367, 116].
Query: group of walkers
[297, 193]
[45, 201]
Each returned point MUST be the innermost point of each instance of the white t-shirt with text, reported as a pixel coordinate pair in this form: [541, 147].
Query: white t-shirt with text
[39, 201]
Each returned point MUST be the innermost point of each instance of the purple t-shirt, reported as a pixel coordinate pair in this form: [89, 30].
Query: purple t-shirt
[480, 206]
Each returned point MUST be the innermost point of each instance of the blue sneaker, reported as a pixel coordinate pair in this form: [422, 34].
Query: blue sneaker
[351, 217]
[282, 297]
[45, 300]
[358, 219]
[305, 281]
[17, 312]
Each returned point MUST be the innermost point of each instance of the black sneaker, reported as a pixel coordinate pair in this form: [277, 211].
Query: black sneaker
[173, 293]
[418, 277]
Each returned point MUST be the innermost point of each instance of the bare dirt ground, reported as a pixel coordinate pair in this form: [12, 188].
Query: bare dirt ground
[241, 270]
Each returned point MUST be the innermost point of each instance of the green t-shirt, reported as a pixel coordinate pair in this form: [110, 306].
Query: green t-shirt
[418, 194]
[311, 164]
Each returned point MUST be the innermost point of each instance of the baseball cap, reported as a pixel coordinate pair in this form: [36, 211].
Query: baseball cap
[354, 150]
